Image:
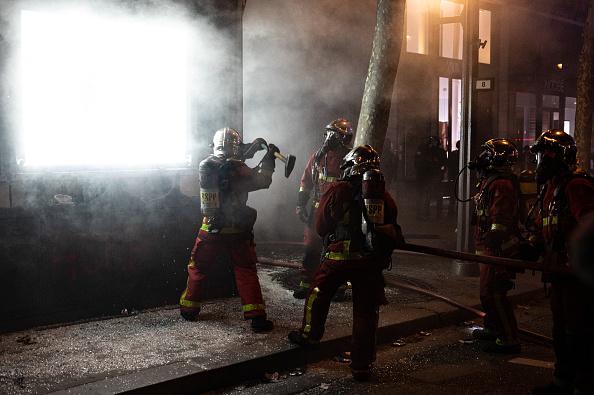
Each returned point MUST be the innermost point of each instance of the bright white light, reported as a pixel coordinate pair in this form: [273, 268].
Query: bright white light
[103, 91]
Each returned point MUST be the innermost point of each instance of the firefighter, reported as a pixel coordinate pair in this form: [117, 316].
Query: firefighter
[567, 199]
[323, 168]
[226, 237]
[497, 234]
[357, 220]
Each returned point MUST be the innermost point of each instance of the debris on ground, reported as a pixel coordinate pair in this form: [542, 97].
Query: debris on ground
[271, 377]
[296, 372]
[466, 341]
[26, 340]
[399, 343]
[344, 357]
[324, 386]
[424, 333]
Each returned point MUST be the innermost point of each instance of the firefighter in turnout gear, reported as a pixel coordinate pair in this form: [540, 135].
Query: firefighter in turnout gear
[323, 168]
[226, 237]
[567, 201]
[357, 220]
[497, 234]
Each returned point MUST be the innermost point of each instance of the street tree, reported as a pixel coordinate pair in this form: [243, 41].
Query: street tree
[381, 75]
[585, 91]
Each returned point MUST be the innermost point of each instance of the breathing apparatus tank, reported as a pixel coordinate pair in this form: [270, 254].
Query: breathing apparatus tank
[208, 171]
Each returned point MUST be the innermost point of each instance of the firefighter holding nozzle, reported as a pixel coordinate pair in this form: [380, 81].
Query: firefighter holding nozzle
[226, 235]
[356, 218]
[566, 203]
[322, 169]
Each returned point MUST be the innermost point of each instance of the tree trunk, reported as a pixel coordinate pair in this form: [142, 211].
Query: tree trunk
[585, 92]
[379, 85]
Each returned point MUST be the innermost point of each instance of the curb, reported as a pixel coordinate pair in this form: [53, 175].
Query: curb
[186, 378]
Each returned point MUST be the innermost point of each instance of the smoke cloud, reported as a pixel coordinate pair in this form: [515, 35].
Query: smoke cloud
[304, 65]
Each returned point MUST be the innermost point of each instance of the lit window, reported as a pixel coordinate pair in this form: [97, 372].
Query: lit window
[417, 26]
[451, 40]
[485, 36]
[102, 91]
[450, 8]
[451, 34]
[569, 115]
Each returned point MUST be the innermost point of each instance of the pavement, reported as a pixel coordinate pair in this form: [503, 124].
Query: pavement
[155, 351]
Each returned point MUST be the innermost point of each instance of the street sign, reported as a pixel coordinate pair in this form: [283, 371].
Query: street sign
[484, 84]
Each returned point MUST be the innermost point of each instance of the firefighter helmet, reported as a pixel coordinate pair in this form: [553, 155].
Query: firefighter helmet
[496, 153]
[343, 128]
[555, 152]
[559, 142]
[226, 143]
[359, 160]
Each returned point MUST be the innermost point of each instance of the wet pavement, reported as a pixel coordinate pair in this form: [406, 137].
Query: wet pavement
[126, 352]
[444, 361]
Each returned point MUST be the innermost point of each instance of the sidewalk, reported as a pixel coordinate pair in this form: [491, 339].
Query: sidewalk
[157, 348]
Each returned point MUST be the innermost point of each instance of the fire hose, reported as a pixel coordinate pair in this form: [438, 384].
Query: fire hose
[390, 280]
[514, 264]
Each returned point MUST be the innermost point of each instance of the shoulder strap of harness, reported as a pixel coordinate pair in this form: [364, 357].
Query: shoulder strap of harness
[503, 176]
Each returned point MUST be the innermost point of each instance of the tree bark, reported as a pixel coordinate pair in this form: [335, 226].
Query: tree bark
[585, 92]
[379, 85]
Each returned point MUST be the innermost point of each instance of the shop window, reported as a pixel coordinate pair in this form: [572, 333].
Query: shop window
[98, 91]
[525, 119]
[569, 118]
[417, 26]
[550, 101]
[450, 111]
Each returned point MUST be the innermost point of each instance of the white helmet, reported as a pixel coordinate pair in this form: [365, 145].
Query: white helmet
[226, 143]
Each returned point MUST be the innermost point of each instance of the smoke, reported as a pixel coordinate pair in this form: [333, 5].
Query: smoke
[304, 65]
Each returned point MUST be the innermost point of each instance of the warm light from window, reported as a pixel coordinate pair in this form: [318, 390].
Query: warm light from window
[102, 91]
[559, 66]
[417, 26]
[485, 36]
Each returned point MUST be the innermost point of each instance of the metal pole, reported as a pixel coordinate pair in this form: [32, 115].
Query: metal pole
[469, 71]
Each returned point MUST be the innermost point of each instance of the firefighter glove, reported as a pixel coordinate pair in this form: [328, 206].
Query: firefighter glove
[301, 212]
[268, 161]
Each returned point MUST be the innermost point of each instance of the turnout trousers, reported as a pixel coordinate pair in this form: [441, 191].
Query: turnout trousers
[368, 294]
[500, 318]
[312, 254]
[235, 250]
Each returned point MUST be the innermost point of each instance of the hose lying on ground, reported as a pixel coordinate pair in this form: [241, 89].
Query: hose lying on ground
[391, 280]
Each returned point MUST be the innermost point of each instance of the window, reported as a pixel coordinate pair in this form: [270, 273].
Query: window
[525, 118]
[102, 91]
[569, 118]
[451, 34]
[450, 111]
[550, 112]
[449, 8]
[485, 36]
[417, 26]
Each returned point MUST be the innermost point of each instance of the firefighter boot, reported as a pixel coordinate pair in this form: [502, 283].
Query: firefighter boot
[189, 314]
[297, 337]
[261, 324]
